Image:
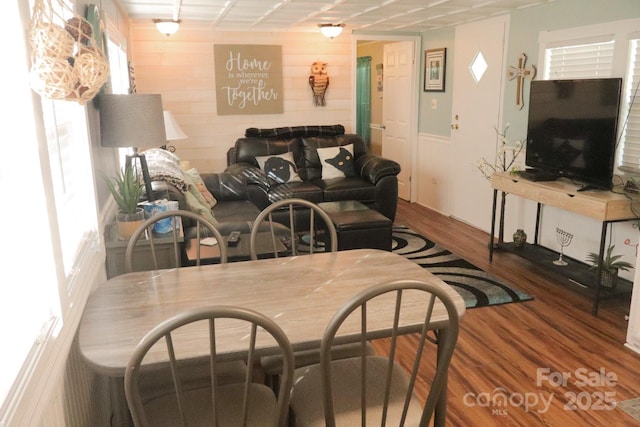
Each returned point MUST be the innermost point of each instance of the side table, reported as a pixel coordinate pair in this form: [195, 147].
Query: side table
[116, 248]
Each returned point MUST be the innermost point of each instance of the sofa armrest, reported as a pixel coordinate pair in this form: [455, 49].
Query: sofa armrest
[374, 168]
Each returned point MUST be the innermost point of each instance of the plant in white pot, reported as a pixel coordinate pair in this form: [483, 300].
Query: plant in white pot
[611, 265]
[126, 190]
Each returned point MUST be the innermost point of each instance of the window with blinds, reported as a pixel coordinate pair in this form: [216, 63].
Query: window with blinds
[609, 50]
[579, 61]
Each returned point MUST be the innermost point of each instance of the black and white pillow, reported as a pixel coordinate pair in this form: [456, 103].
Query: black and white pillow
[279, 168]
[337, 162]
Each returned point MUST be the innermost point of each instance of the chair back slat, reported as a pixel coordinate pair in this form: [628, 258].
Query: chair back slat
[176, 378]
[213, 372]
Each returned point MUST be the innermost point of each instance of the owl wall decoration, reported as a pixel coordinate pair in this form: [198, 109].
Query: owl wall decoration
[319, 82]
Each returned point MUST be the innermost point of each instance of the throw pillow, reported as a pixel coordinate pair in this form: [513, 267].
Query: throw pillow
[200, 185]
[279, 168]
[195, 206]
[193, 194]
[337, 162]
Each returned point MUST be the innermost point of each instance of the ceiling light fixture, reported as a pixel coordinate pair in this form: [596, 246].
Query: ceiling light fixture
[331, 30]
[167, 27]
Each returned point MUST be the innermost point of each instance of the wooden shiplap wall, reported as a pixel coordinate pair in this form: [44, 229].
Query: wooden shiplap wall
[181, 69]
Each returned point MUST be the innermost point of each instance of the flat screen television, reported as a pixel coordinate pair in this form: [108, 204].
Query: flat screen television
[572, 129]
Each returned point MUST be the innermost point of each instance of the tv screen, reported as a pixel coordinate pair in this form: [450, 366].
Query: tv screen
[572, 129]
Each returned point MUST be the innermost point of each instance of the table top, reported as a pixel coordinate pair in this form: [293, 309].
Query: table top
[300, 293]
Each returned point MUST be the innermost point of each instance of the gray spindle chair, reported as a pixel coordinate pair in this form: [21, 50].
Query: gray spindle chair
[246, 403]
[201, 227]
[377, 390]
[293, 207]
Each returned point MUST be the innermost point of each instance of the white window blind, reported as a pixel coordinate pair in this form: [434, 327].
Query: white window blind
[579, 61]
[630, 137]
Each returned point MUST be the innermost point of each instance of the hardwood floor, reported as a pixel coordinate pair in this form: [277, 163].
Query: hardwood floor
[516, 351]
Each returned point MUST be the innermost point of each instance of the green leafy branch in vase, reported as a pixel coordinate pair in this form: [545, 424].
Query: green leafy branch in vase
[507, 155]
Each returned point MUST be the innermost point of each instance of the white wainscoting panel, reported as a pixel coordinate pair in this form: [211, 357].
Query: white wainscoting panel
[433, 172]
[633, 331]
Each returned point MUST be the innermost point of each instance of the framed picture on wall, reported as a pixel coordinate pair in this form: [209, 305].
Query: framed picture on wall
[434, 69]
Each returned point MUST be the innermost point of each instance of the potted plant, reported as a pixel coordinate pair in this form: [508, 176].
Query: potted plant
[126, 190]
[611, 265]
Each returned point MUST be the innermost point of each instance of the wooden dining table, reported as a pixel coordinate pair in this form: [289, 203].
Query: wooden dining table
[300, 293]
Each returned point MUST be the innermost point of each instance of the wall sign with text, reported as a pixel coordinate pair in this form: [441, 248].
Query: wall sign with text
[248, 79]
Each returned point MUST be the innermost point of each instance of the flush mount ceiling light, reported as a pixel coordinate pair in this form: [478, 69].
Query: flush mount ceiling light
[331, 30]
[167, 26]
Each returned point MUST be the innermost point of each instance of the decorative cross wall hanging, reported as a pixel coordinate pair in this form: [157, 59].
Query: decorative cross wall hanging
[520, 73]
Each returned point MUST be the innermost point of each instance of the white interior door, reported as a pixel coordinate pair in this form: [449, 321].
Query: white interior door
[396, 110]
[476, 112]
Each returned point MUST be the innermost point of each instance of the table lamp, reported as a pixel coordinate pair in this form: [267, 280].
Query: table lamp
[172, 129]
[133, 120]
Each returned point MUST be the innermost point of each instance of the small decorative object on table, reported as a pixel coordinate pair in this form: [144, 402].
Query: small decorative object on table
[564, 238]
[507, 156]
[519, 238]
[611, 265]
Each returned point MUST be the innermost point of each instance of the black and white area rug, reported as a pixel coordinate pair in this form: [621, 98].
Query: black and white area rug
[479, 289]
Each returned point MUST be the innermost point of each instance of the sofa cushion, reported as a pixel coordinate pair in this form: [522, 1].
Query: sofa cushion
[247, 149]
[312, 166]
[337, 162]
[349, 188]
[226, 185]
[301, 190]
[235, 211]
[279, 168]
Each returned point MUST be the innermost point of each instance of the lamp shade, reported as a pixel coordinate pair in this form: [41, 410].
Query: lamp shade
[134, 120]
[172, 128]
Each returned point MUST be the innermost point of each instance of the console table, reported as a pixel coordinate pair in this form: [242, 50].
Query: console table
[604, 206]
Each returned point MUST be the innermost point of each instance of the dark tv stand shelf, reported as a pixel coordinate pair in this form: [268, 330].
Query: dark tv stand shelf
[580, 276]
[604, 206]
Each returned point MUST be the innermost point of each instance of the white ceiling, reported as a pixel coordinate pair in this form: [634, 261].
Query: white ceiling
[304, 15]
